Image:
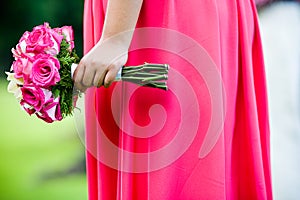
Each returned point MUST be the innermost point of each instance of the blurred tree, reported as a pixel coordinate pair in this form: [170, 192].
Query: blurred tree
[63, 177]
[18, 16]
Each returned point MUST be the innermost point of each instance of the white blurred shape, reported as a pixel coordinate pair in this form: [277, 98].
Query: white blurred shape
[280, 27]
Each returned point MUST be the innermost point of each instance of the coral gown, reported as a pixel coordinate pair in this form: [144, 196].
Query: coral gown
[207, 136]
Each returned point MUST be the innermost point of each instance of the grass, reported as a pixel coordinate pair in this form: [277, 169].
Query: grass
[35, 157]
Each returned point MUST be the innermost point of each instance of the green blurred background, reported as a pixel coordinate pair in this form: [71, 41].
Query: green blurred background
[37, 160]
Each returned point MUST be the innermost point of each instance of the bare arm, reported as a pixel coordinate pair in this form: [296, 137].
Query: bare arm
[121, 16]
[101, 64]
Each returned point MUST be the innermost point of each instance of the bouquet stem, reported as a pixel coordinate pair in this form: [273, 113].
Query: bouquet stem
[147, 74]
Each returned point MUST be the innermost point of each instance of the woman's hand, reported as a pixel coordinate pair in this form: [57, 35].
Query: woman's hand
[101, 64]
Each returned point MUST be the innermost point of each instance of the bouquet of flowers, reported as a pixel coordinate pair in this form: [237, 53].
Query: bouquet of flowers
[41, 73]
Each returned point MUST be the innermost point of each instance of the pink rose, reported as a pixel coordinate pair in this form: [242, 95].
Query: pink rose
[33, 98]
[72, 45]
[43, 39]
[24, 36]
[21, 46]
[44, 116]
[45, 71]
[51, 111]
[67, 32]
[29, 109]
[21, 66]
[20, 50]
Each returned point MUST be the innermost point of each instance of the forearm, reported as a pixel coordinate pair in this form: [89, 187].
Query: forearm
[120, 20]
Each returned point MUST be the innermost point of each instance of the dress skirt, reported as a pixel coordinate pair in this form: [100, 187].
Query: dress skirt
[207, 136]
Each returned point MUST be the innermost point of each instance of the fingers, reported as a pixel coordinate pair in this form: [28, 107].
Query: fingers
[114, 68]
[88, 76]
[99, 78]
[95, 70]
[83, 76]
[111, 75]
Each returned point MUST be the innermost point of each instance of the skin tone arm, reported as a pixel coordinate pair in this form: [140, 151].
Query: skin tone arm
[101, 64]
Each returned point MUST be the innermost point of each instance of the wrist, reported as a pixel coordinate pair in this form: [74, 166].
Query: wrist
[121, 39]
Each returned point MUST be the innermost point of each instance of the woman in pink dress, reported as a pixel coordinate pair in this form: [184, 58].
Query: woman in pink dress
[207, 136]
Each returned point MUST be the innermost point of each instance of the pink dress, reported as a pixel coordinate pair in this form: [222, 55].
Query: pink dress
[207, 137]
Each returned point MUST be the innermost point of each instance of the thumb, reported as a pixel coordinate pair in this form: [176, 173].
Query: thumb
[111, 76]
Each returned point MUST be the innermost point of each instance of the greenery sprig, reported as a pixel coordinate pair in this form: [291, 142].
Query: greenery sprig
[64, 88]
